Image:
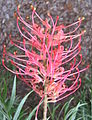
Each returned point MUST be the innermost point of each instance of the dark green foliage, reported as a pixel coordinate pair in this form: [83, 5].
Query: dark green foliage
[11, 109]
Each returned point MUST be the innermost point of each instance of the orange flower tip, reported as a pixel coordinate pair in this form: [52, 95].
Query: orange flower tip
[64, 86]
[41, 56]
[80, 55]
[15, 14]
[54, 76]
[15, 52]
[74, 75]
[27, 17]
[48, 14]
[16, 71]
[80, 79]
[32, 7]
[77, 68]
[19, 6]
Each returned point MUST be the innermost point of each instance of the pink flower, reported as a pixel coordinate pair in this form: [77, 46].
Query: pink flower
[49, 56]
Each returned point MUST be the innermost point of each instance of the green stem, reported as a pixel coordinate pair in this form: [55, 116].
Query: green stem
[45, 104]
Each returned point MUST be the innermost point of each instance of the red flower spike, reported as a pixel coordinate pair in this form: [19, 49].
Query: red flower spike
[45, 59]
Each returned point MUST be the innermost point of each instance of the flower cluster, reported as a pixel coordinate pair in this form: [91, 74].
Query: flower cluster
[44, 60]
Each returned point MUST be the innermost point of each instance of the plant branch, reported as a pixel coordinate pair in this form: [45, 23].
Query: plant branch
[45, 104]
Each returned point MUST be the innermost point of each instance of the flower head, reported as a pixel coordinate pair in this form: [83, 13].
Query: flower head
[48, 56]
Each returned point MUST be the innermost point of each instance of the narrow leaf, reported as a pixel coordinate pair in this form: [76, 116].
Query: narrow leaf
[5, 90]
[16, 115]
[33, 112]
[13, 96]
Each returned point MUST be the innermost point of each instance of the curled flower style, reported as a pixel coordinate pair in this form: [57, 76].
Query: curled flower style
[49, 57]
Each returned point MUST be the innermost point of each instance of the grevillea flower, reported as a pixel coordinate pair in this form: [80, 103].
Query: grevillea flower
[48, 56]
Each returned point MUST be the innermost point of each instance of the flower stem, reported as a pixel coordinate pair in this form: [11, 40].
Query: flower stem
[45, 104]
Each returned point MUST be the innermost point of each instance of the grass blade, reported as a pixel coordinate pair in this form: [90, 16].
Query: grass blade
[13, 95]
[33, 112]
[16, 115]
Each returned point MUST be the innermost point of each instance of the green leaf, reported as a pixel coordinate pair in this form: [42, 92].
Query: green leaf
[67, 106]
[5, 90]
[16, 115]
[2, 106]
[4, 114]
[33, 112]
[55, 108]
[53, 111]
[1, 116]
[13, 95]
[50, 110]
[71, 114]
[1, 91]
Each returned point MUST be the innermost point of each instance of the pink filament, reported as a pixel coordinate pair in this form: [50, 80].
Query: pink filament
[47, 57]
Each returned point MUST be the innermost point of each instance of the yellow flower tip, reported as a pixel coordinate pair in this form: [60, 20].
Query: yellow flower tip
[80, 79]
[4, 46]
[15, 14]
[48, 14]
[54, 76]
[79, 18]
[80, 55]
[64, 86]
[83, 18]
[15, 52]
[32, 7]
[27, 17]
[18, 18]
[16, 71]
[19, 6]
[84, 31]
[76, 68]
